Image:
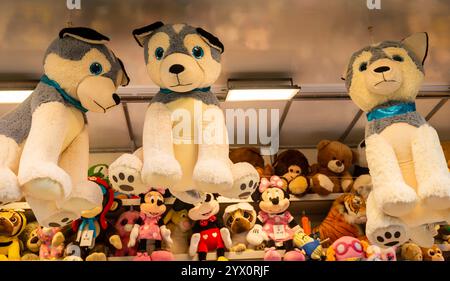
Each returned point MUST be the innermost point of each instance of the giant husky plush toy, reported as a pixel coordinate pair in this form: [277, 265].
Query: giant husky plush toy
[411, 182]
[185, 143]
[44, 141]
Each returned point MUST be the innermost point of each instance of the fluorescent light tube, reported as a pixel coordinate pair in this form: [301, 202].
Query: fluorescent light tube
[261, 94]
[14, 96]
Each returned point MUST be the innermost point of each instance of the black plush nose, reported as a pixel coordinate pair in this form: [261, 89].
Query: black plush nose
[176, 69]
[382, 69]
[116, 98]
[338, 163]
[275, 201]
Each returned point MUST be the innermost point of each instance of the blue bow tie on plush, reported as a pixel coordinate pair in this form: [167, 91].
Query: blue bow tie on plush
[90, 223]
[391, 111]
[168, 91]
[63, 93]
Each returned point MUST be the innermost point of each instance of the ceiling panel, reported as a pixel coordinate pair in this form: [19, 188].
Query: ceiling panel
[308, 122]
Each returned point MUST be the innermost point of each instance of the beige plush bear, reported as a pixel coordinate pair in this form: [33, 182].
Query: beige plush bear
[185, 142]
[411, 182]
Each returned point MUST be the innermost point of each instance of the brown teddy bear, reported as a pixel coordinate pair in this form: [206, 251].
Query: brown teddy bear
[292, 167]
[330, 173]
[411, 252]
[251, 155]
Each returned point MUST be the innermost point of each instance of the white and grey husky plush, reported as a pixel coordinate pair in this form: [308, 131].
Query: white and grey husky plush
[411, 182]
[184, 61]
[44, 144]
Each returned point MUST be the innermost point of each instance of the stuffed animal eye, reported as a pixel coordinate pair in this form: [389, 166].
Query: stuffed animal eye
[431, 252]
[397, 58]
[96, 68]
[363, 66]
[13, 219]
[159, 53]
[123, 222]
[198, 52]
[246, 215]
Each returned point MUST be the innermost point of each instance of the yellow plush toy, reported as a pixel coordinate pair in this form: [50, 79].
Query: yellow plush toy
[12, 223]
[410, 177]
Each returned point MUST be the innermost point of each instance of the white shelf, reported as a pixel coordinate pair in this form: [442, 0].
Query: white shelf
[222, 200]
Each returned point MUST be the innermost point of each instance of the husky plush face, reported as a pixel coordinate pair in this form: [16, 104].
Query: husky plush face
[388, 71]
[85, 68]
[180, 57]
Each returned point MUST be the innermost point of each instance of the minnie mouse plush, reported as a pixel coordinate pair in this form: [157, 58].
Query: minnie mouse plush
[278, 225]
[150, 226]
[209, 232]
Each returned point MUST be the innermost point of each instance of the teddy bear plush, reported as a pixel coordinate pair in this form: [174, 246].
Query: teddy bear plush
[80, 74]
[185, 142]
[410, 177]
[331, 172]
[292, 167]
[411, 252]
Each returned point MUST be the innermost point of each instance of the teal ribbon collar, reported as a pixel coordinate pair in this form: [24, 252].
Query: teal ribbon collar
[391, 111]
[64, 94]
[168, 91]
[90, 223]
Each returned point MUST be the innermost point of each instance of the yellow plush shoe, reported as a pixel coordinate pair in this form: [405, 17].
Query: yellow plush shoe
[222, 258]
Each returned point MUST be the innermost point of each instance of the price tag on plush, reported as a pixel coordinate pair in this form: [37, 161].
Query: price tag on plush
[87, 238]
[279, 232]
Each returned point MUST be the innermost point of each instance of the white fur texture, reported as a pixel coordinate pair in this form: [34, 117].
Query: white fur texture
[39, 173]
[431, 169]
[391, 192]
[46, 212]
[244, 175]
[160, 166]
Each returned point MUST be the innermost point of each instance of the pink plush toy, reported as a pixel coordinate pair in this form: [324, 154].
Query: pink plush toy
[347, 248]
[375, 253]
[52, 243]
[124, 226]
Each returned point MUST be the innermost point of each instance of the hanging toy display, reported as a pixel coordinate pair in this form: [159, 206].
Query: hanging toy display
[80, 74]
[184, 62]
[411, 181]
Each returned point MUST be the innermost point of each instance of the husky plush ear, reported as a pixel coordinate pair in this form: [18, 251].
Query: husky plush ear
[140, 34]
[125, 78]
[84, 34]
[212, 40]
[418, 44]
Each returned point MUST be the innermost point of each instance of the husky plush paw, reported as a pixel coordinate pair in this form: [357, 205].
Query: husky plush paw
[9, 187]
[125, 175]
[45, 181]
[161, 170]
[212, 175]
[245, 181]
[84, 196]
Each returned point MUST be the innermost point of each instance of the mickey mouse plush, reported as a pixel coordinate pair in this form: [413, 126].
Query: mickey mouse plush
[209, 231]
[279, 226]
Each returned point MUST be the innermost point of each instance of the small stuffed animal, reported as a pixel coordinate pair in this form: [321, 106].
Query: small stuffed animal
[184, 62]
[310, 246]
[240, 218]
[345, 218]
[93, 228]
[46, 136]
[150, 227]
[209, 232]
[411, 252]
[331, 173]
[12, 223]
[432, 254]
[52, 243]
[124, 225]
[180, 225]
[411, 180]
[30, 242]
[444, 233]
[292, 167]
[362, 185]
[347, 248]
[375, 253]
[278, 225]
